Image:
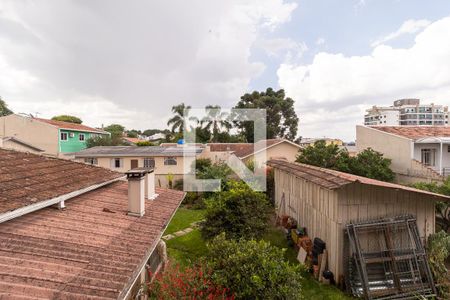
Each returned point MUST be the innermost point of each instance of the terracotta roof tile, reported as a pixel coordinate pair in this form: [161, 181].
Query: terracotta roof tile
[82, 252]
[416, 132]
[239, 149]
[27, 178]
[68, 125]
[331, 179]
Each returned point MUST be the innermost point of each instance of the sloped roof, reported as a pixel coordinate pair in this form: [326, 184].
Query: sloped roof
[331, 179]
[27, 178]
[70, 126]
[415, 132]
[122, 151]
[90, 250]
[133, 140]
[23, 143]
[241, 149]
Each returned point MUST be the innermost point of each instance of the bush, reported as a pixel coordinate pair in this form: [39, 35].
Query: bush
[189, 283]
[253, 270]
[144, 144]
[238, 212]
[438, 252]
[194, 200]
[201, 164]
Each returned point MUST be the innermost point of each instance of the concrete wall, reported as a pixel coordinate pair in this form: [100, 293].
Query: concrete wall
[283, 150]
[12, 145]
[398, 149]
[38, 134]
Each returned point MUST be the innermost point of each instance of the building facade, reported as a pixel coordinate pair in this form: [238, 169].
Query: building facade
[52, 137]
[418, 153]
[407, 112]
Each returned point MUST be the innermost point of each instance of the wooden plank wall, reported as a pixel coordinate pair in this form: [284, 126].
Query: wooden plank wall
[312, 206]
[326, 212]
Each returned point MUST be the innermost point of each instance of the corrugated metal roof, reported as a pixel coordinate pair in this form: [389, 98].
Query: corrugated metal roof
[90, 250]
[331, 179]
[121, 151]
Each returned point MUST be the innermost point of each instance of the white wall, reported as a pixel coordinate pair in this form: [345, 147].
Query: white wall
[445, 155]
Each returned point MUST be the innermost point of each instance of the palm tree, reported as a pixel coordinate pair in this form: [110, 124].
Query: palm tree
[215, 119]
[178, 122]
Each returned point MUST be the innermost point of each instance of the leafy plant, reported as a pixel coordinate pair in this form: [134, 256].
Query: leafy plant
[144, 144]
[4, 110]
[169, 178]
[201, 164]
[438, 252]
[253, 269]
[238, 212]
[189, 283]
[67, 118]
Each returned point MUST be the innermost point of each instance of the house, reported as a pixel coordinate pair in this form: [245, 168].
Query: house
[324, 201]
[305, 142]
[274, 148]
[53, 137]
[418, 153]
[74, 231]
[168, 162]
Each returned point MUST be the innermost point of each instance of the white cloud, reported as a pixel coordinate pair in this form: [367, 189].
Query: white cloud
[320, 41]
[408, 27]
[335, 82]
[120, 58]
[285, 48]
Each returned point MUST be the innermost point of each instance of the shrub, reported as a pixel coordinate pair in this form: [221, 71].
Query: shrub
[144, 144]
[190, 283]
[253, 270]
[216, 171]
[438, 251]
[201, 164]
[238, 212]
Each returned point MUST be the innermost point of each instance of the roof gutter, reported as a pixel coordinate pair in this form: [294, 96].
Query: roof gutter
[42, 204]
[147, 257]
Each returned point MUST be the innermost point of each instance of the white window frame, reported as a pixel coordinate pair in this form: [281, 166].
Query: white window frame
[91, 161]
[168, 159]
[113, 163]
[81, 135]
[61, 134]
[146, 160]
[428, 157]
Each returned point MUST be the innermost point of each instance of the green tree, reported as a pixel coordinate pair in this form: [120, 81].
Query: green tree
[179, 120]
[99, 141]
[253, 269]
[238, 212]
[282, 121]
[116, 131]
[215, 121]
[4, 110]
[368, 163]
[438, 247]
[68, 118]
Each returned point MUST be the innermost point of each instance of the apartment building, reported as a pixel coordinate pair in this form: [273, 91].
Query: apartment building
[407, 112]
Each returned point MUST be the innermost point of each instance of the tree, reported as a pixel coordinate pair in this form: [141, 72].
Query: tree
[253, 269]
[4, 110]
[238, 212]
[68, 118]
[99, 141]
[116, 131]
[368, 163]
[179, 121]
[215, 121]
[282, 121]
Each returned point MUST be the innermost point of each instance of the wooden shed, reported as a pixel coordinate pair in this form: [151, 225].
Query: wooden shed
[324, 201]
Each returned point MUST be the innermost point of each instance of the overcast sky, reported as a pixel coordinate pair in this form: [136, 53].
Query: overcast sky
[128, 62]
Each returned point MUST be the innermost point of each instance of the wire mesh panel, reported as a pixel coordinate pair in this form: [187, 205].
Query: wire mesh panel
[388, 260]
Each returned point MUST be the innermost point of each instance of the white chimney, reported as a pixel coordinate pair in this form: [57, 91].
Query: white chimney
[136, 191]
[150, 185]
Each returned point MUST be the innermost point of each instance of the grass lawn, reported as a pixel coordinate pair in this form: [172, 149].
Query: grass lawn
[183, 219]
[190, 247]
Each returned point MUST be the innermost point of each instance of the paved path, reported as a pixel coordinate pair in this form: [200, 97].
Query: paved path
[181, 232]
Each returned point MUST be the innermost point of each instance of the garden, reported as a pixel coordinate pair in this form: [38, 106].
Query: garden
[225, 245]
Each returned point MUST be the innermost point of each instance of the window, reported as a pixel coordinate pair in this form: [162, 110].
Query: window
[170, 161]
[81, 137]
[149, 163]
[91, 160]
[428, 157]
[63, 136]
[117, 163]
[448, 148]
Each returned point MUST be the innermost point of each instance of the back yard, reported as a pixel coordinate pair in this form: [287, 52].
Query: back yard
[190, 247]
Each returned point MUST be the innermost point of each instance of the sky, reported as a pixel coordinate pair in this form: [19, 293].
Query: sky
[129, 62]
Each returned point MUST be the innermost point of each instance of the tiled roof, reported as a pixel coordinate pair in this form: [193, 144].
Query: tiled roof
[27, 178]
[121, 151]
[133, 140]
[70, 126]
[331, 179]
[416, 132]
[240, 149]
[90, 250]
